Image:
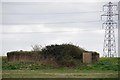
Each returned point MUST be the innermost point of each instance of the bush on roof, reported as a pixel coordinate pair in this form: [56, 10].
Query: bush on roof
[64, 54]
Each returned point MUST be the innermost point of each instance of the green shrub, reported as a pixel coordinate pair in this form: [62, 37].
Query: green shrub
[64, 54]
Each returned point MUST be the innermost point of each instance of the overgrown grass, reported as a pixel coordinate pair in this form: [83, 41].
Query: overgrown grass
[22, 65]
[103, 64]
[105, 68]
[56, 73]
[107, 64]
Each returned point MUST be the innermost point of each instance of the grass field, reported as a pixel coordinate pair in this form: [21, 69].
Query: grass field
[105, 68]
[58, 74]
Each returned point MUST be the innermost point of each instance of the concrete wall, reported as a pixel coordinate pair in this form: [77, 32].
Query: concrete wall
[22, 57]
[29, 57]
[87, 57]
[90, 57]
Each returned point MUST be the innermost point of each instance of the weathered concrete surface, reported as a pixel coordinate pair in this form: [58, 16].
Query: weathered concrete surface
[90, 57]
[26, 56]
[87, 57]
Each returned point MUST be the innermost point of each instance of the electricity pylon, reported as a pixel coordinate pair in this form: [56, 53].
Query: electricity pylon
[109, 49]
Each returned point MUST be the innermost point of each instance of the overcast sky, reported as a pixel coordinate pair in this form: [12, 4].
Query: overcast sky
[44, 23]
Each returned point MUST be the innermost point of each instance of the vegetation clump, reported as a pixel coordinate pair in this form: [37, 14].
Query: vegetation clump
[65, 54]
[106, 64]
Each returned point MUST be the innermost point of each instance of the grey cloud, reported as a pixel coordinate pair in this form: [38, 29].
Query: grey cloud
[21, 33]
[48, 12]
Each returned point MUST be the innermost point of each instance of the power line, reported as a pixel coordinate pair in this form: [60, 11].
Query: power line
[40, 3]
[50, 13]
[55, 22]
[51, 31]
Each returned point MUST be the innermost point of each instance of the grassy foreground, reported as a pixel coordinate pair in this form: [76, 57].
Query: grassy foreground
[105, 68]
[58, 74]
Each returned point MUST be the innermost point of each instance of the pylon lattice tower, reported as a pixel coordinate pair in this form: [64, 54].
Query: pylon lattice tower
[109, 48]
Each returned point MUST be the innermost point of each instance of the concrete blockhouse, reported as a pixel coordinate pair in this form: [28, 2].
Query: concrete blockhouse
[25, 56]
[90, 57]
